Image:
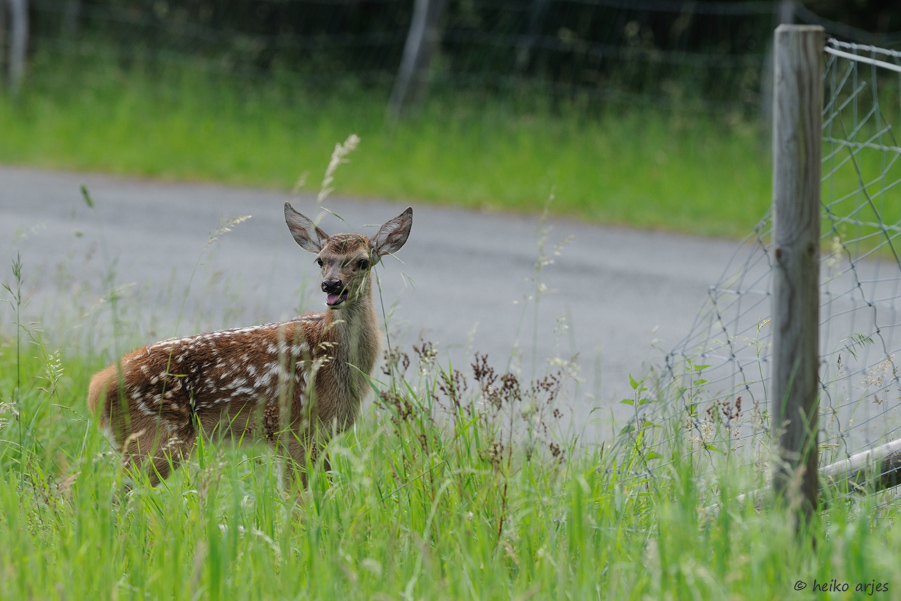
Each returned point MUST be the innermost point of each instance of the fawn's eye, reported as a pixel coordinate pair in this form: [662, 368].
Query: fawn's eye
[318, 261]
[363, 264]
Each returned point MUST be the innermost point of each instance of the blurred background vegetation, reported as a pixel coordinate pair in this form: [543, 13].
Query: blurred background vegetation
[648, 113]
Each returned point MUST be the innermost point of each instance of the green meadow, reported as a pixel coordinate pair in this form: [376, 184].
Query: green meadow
[656, 169]
[451, 486]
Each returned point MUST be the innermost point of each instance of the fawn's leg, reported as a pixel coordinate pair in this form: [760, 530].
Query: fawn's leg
[299, 455]
[294, 452]
[158, 452]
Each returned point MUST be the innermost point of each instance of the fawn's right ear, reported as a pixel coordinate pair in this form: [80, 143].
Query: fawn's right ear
[393, 234]
[305, 232]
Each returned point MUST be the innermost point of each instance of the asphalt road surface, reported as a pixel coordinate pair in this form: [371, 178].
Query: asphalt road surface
[614, 297]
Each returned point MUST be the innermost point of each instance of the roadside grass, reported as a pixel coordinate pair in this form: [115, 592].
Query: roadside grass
[429, 498]
[455, 484]
[634, 167]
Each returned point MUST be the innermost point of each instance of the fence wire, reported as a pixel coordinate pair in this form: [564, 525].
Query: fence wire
[706, 56]
[696, 57]
[715, 380]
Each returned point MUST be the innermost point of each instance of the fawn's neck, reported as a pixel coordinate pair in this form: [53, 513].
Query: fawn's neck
[353, 337]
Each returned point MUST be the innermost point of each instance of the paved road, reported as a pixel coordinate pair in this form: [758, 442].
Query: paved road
[462, 282]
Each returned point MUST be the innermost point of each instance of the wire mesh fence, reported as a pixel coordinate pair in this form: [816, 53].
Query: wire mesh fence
[708, 56]
[714, 382]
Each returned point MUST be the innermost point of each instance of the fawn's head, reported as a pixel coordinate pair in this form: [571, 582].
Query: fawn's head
[346, 259]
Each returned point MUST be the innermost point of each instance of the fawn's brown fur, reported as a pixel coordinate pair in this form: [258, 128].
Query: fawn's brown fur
[295, 382]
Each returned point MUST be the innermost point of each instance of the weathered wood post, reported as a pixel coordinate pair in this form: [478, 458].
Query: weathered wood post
[422, 42]
[3, 37]
[18, 43]
[797, 150]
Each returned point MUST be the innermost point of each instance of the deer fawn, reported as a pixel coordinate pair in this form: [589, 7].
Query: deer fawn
[298, 381]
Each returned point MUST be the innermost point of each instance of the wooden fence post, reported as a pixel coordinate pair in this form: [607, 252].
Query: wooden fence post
[18, 43]
[3, 37]
[422, 41]
[797, 150]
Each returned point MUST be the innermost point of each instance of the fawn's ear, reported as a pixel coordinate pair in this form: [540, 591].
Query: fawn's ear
[392, 236]
[305, 232]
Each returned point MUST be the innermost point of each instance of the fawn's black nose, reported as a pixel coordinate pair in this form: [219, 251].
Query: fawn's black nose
[332, 286]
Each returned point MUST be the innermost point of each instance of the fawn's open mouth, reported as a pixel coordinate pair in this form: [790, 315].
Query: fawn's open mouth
[336, 300]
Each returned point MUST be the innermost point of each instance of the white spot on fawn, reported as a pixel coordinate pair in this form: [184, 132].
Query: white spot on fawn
[264, 380]
[237, 383]
[143, 408]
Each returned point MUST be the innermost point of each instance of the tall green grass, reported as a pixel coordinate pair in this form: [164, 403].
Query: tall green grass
[429, 498]
[456, 484]
[642, 168]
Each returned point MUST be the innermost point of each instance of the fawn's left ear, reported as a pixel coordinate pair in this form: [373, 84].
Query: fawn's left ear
[393, 235]
[305, 232]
